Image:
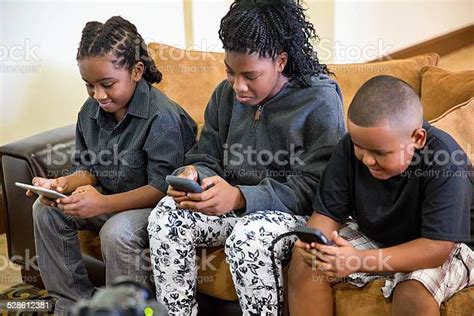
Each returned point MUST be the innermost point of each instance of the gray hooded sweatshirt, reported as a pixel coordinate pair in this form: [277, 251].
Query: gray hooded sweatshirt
[275, 152]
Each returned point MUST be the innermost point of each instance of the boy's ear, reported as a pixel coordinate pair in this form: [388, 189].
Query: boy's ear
[137, 71]
[419, 136]
[281, 61]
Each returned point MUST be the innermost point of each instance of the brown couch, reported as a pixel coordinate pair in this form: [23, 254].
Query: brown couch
[189, 78]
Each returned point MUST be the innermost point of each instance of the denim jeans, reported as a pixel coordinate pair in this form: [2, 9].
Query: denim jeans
[124, 246]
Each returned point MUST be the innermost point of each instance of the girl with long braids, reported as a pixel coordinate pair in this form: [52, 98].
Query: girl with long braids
[129, 136]
[269, 131]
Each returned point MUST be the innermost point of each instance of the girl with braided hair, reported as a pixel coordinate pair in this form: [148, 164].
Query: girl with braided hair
[269, 131]
[129, 136]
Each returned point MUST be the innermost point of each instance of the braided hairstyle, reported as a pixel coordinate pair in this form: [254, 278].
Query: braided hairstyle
[270, 27]
[121, 38]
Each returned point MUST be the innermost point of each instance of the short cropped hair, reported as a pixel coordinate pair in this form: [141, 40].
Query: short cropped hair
[385, 99]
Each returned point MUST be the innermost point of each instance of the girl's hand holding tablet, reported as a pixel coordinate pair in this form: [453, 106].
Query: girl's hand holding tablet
[59, 184]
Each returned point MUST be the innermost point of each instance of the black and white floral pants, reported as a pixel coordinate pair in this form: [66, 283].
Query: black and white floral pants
[176, 233]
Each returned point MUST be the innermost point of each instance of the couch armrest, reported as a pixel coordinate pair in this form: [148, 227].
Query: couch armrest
[47, 155]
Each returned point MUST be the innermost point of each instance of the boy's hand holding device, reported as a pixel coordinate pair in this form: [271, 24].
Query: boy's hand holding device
[334, 256]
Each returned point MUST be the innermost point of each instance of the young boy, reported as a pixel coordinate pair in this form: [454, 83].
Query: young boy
[398, 191]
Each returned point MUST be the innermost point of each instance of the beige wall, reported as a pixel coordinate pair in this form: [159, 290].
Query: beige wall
[40, 86]
[353, 31]
[321, 14]
[366, 30]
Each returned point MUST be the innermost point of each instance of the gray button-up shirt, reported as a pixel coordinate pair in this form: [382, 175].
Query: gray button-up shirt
[143, 148]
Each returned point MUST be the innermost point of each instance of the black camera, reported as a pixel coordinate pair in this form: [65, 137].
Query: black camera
[124, 297]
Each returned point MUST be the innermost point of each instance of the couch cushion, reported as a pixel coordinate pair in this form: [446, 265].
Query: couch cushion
[351, 300]
[462, 303]
[442, 89]
[458, 122]
[352, 76]
[189, 77]
[89, 242]
[354, 301]
[214, 277]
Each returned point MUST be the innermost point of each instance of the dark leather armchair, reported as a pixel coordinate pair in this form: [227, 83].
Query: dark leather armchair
[42, 155]
[49, 155]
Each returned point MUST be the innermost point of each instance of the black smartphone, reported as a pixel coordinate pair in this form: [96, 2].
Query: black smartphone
[183, 184]
[310, 235]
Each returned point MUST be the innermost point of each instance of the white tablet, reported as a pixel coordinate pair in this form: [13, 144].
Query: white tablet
[50, 194]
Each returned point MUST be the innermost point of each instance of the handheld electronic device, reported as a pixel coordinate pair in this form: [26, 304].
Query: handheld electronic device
[50, 194]
[310, 235]
[183, 184]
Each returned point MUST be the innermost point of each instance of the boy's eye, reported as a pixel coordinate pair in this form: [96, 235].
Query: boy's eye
[89, 86]
[107, 85]
[229, 72]
[251, 77]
